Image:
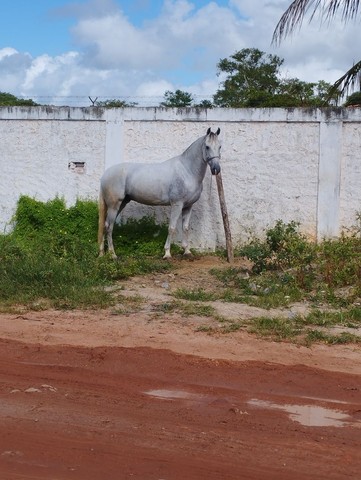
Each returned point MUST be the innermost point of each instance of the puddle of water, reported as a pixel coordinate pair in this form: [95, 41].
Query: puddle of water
[327, 400]
[310, 415]
[173, 394]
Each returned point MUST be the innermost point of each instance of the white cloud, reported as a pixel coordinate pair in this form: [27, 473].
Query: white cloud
[13, 68]
[175, 36]
[7, 52]
[153, 88]
[111, 42]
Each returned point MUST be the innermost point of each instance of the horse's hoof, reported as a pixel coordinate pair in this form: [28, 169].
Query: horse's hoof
[188, 255]
[167, 257]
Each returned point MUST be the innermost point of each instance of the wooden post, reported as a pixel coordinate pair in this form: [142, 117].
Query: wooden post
[227, 230]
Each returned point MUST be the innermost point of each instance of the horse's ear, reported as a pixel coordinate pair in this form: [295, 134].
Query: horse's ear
[218, 131]
[209, 131]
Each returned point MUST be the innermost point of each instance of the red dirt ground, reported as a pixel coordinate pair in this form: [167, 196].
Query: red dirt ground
[105, 396]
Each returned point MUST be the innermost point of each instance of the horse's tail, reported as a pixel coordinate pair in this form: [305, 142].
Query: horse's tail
[102, 213]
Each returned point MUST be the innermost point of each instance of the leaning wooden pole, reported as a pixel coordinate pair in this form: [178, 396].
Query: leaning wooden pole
[227, 229]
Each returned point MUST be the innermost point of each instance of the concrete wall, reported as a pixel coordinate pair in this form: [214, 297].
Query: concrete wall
[289, 164]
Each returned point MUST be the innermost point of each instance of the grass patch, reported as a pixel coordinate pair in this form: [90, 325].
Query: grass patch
[350, 318]
[315, 327]
[343, 338]
[127, 304]
[195, 295]
[286, 268]
[231, 326]
[266, 290]
[27, 276]
[198, 309]
[276, 328]
[187, 309]
[50, 257]
[205, 329]
[167, 307]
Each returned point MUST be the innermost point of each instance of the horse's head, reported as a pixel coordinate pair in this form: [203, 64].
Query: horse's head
[212, 151]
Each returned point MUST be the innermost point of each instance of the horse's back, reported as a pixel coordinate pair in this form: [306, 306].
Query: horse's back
[152, 184]
[142, 182]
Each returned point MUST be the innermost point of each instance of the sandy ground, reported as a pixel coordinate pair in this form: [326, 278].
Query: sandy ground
[135, 393]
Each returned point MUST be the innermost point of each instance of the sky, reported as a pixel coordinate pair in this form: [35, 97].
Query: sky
[62, 52]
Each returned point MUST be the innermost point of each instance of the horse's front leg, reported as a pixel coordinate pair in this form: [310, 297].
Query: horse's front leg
[186, 216]
[175, 212]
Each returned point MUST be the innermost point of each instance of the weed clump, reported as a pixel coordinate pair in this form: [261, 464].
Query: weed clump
[286, 268]
[284, 247]
[51, 255]
[286, 257]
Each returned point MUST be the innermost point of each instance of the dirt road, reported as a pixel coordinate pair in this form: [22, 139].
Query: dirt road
[111, 396]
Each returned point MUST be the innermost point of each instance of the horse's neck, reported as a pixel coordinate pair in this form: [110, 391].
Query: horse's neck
[192, 158]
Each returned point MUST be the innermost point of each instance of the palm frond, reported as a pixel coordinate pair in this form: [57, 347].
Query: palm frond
[292, 18]
[294, 15]
[350, 80]
[349, 9]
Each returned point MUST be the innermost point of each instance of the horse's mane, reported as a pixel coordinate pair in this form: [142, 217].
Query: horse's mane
[193, 145]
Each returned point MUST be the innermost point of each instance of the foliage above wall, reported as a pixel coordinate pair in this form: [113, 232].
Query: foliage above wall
[7, 99]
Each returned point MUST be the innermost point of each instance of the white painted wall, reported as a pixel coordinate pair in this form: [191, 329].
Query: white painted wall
[289, 164]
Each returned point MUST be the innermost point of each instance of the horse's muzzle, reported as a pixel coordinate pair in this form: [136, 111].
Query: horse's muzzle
[215, 167]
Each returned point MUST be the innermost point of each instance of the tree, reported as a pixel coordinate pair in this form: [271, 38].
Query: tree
[254, 80]
[294, 16]
[7, 99]
[114, 103]
[204, 104]
[177, 99]
[297, 93]
[353, 100]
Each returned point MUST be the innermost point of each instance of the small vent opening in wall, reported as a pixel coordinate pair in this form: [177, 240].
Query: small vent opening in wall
[77, 167]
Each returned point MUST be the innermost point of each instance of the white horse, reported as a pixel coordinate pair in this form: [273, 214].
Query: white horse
[177, 182]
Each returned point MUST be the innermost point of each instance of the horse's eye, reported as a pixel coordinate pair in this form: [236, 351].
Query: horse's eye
[207, 147]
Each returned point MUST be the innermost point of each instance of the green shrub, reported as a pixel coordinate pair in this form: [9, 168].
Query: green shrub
[65, 231]
[288, 268]
[30, 274]
[284, 247]
[52, 254]
[141, 236]
[339, 261]
[333, 263]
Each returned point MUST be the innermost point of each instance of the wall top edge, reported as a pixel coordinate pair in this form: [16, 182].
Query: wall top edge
[192, 114]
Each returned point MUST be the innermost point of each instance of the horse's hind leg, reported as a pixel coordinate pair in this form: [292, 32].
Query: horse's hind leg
[186, 215]
[174, 215]
[112, 214]
[101, 223]
[109, 225]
